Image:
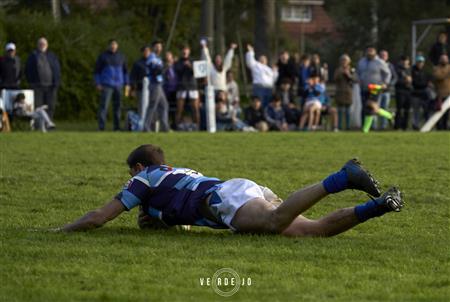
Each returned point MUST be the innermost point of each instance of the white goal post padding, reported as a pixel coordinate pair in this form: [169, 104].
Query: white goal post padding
[436, 116]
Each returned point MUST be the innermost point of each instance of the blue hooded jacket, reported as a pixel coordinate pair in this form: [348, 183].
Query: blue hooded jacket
[111, 70]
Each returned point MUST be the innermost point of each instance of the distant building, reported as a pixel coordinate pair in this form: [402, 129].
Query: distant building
[306, 18]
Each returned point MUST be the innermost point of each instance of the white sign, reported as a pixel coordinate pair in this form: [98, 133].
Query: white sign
[8, 97]
[200, 69]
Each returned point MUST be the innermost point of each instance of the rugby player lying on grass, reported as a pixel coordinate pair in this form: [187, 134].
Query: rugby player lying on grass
[179, 196]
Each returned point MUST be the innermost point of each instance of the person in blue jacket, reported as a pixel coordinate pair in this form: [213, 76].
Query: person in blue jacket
[111, 75]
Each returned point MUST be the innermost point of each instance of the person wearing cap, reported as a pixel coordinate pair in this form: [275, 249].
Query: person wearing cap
[43, 73]
[10, 68]
[420, 96]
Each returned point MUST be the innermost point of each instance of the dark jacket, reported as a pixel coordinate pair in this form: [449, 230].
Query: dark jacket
[402, 83]
[111, 69]
[286, 71]
[185, 75]
[420, 80]
[138, 72]
[31, 68]
[437, 50]
[252, 116]
[10, 72]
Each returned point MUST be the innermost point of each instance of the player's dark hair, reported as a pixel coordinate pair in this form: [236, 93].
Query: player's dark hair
[146, 155]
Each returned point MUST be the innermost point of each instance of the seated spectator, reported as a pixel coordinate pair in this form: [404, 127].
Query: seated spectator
[285, 92]
[254, 115]
[263, 76]
[314, 94]
[39, 118]
[275, 115]
[224, 115]
[327, 109]
[233, 94]
[292, 113]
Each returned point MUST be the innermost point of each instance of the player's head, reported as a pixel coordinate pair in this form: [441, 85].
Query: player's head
[144, 156]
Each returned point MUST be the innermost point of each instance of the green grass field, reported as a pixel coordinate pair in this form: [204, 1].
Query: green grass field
[50, 179]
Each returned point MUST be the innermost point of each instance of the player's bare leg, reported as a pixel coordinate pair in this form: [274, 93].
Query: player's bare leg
[344, 219]
[259, 215]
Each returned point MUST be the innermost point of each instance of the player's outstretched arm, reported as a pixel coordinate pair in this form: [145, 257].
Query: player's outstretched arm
[96, 218]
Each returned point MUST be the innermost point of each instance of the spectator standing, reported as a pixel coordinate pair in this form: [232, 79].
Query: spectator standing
[233, 94]
[385, 96]
[317, 67]
[344, 78]
[254, 115]
[220, 67]
[158, 108]
[171, 85]
[372, 70]
[275, 116]
[138, 73]
[187, 87]
[303, 75]
[287, 70]
[420, 98]
[43, 73]
[10, 68]
[403, 89]
[263, 76]
[439, 48]
[111, 74]
[441, 77]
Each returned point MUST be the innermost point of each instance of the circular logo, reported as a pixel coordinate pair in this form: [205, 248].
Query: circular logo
[226, 282]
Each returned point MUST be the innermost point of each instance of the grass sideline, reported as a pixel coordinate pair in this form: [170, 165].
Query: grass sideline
[50, 179]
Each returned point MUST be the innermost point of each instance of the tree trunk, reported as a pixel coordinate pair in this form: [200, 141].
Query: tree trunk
[264, 26]
[220, 37]
[207, 22]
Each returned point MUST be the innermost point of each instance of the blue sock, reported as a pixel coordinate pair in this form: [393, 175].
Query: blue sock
[369, 210]
[336, 182]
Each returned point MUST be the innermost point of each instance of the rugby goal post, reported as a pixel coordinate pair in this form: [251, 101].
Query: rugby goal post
[436, 116]
[202, 70]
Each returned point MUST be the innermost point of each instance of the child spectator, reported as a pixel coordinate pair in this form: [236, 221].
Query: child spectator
[254, 115]
[275, 115]
[314, 95]
[224, 115]
[40, 119]
[292, 114]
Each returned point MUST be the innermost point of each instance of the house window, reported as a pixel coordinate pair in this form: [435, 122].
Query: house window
[296, 13]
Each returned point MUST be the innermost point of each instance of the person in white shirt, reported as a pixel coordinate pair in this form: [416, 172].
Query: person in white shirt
[233, 95]
[263, 76]
[220, 67]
